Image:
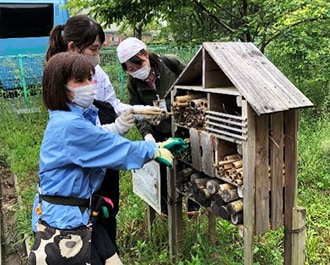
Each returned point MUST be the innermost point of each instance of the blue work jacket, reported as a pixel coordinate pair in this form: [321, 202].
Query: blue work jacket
[74, 154]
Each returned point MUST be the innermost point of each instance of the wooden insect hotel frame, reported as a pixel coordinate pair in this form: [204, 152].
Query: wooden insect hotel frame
[240, 116]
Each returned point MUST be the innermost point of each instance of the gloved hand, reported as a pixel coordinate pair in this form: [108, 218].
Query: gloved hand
[174, 144]
[123, 123]
[149, 138]
[153, 119]
[163, 156]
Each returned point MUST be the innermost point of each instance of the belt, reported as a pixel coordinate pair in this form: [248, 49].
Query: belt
[82, 203]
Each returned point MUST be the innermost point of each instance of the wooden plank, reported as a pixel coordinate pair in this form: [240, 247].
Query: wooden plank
[290, 164]
[262, 175]
[212, 227]
[298, 235]
[213, 76]
[248, 151]
[207, 145]
[217, 90]
[192, 74]
[175, 220]
[276, 169]
[196, 155]
[259, 81]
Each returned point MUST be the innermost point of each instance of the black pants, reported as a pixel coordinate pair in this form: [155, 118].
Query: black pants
[110, 189]
[102, 246]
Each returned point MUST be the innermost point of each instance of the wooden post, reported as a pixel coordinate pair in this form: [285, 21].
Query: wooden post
[175, 220]
[290, 165]
[298, 235]
[151, 219]
[249, 150]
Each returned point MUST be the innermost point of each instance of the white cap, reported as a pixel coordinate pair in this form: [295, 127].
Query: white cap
[128, 48]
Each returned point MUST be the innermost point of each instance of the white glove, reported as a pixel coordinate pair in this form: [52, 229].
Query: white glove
[122, 124]
[149, 138]
[151, 118]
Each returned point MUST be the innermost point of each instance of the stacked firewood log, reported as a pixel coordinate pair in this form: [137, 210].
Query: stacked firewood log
[189, 110]
[223, 199]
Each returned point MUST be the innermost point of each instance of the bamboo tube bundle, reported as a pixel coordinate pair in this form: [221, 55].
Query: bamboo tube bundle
[200, 103]
[238, 173]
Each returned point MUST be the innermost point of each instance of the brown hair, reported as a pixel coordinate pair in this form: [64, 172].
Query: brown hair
[61, 68]
[81, 30]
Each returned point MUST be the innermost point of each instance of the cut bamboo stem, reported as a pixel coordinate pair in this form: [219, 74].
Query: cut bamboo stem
[148, 112]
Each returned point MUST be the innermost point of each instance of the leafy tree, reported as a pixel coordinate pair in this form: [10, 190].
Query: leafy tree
[257, 21]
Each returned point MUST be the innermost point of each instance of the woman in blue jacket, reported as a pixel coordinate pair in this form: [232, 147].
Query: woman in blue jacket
[74, 153]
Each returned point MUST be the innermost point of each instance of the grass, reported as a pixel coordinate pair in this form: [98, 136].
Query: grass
[20, 137]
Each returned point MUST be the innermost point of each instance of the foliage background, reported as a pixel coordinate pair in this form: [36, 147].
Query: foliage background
[294, 35]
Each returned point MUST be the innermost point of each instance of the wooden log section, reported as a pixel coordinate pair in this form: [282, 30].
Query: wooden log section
[204, 197]
[185, 174]
[237, 218]
[197, 175]
[235, 206]
[220, 211]
[218, 199]
[229, 195]
[226, 186]
[198, 184]
[212, 185]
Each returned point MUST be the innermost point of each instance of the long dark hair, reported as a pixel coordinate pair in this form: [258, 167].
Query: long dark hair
[81, 30]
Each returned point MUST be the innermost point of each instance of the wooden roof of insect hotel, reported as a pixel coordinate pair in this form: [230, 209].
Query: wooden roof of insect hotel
[241, 69]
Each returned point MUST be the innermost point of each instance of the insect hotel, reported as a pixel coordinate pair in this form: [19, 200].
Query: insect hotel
[239, 114]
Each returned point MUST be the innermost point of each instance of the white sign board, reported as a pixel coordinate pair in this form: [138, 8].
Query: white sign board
[146, 184]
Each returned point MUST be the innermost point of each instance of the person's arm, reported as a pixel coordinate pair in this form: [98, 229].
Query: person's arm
[143, 126]
[106, 91]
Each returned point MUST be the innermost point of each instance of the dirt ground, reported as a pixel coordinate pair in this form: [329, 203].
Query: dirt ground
[12, 253]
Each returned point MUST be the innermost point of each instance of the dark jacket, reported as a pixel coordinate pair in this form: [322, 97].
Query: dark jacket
[139, 93]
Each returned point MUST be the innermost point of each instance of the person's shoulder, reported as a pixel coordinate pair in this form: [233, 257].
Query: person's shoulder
[99, 72]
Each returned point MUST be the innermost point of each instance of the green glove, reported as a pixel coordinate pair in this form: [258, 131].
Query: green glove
[174, 144]
[163, 156]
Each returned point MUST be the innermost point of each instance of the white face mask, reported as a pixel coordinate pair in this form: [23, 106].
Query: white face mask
[142, 73]
[83, 95]
[94, 59]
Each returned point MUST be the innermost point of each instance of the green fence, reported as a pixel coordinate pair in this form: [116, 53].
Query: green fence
[20, 76]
